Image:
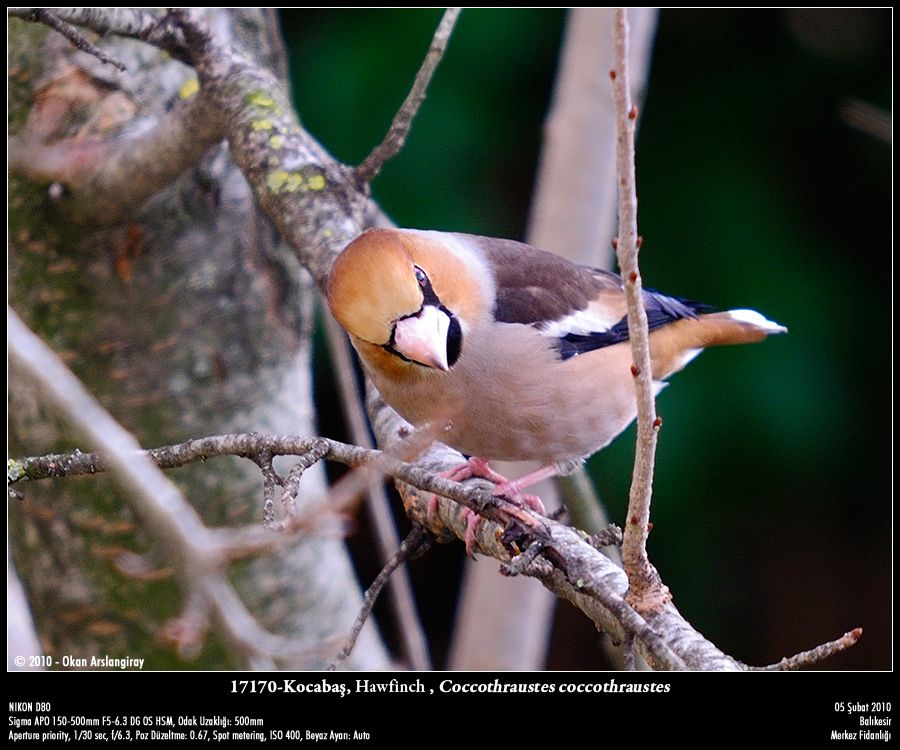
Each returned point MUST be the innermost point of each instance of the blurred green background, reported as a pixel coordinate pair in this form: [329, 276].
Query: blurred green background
[772, 510]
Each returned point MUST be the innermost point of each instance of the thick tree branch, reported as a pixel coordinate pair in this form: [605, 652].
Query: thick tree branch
[315, 203]
[402, 122]
[647, 592]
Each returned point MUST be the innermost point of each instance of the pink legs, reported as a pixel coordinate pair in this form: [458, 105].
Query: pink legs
[511, 490]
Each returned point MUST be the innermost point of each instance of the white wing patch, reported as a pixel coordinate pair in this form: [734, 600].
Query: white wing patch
[595, 318]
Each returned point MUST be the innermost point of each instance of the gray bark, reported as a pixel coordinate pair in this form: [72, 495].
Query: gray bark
[187, 317]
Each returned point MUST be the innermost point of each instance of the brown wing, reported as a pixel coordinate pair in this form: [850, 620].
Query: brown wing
[581, 308]
[535, 287]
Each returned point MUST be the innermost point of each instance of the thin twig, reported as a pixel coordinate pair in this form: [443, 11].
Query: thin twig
[291, 490]
[255, 447]
[292, 484]
[814, 655]
[44, 16]
[557, 514]
[249, 445]
[270, 481]
[371, 467]
[127, 22]
[520, 563]
[416, 541]
[400, 126]
[646, 592]
[415, 643]
[572, 208]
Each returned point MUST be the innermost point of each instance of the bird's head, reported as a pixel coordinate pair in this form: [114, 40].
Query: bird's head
[407, 292]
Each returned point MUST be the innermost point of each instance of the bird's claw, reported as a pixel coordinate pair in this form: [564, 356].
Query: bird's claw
[511, 492]
[472, 520]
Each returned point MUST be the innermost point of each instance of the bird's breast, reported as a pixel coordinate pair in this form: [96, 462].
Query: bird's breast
[510, 397]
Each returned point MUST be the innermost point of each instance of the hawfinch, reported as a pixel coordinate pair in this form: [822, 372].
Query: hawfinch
[517, 354]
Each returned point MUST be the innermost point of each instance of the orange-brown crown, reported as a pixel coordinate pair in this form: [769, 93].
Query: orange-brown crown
[372, 284]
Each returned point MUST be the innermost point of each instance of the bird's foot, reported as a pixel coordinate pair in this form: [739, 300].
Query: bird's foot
[472, 520]
[474, 467]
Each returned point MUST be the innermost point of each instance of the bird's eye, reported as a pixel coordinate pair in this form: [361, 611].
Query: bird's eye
[421, 277]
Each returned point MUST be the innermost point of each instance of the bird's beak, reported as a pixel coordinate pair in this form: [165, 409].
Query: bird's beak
[423, 337]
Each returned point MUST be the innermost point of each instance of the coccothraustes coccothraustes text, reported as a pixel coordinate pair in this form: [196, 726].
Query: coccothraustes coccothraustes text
[518, 354]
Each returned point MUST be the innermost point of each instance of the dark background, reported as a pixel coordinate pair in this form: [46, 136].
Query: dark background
[772, 504]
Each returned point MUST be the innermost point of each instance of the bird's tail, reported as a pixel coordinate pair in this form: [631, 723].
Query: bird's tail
[674, 345]
[737, 327]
